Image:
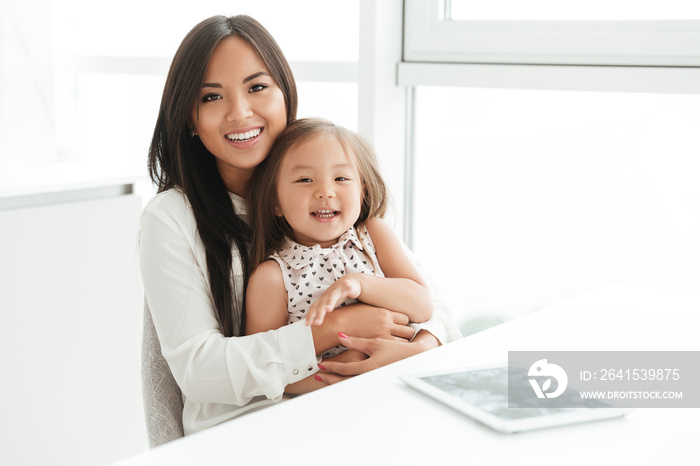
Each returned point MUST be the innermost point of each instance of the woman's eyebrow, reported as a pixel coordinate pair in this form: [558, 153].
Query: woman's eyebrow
[256, 75]
[249, 78]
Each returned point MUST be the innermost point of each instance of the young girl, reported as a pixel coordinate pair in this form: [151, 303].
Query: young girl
[318, 239]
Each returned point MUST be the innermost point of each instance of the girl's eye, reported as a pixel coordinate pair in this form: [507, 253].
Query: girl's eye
[304, 180]
[211, 97]
[341, 178]
[257, 88]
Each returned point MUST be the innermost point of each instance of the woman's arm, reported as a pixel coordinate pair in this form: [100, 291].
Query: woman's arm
[403, 290]
[314, 382]
[208, 367]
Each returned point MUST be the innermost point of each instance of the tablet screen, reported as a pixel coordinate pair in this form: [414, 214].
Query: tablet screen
[483, 395]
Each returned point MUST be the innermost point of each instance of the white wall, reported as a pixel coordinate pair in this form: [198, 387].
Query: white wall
[27, 124]
[70, 333]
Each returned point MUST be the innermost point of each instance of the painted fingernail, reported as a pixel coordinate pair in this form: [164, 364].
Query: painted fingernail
[342, 335]
[318, 377]
[320, 366]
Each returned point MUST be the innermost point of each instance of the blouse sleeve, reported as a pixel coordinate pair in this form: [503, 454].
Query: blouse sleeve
[442, 325]
[208, 367]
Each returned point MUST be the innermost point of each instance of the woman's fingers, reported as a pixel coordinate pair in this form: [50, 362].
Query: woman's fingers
[403, 332]
[346, 369]
[380, 352]
[399, 318]
[363, 345]
[329, 378]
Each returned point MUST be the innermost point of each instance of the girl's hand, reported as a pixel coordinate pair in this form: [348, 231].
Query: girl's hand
[347, 287]
[380, 352]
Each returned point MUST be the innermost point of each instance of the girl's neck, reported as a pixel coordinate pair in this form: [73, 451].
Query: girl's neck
[322, 244]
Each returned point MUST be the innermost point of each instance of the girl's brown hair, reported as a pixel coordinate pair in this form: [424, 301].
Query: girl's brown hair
[178, 160]
[269, 230]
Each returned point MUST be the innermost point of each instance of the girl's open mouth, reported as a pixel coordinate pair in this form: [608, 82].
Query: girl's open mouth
[325, 213]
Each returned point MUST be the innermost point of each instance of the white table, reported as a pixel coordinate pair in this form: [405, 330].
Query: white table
[376, 419]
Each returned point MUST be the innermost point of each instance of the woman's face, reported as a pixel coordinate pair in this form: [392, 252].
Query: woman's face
[240, 112]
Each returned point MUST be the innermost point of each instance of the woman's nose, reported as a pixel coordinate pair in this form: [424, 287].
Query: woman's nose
[239, 109]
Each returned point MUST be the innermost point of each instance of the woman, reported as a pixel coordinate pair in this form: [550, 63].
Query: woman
[228, 95]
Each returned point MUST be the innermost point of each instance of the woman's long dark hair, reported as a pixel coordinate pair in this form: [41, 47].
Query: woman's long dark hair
[178, 160]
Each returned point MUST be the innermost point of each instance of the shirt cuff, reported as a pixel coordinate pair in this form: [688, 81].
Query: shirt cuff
[432, 326]
[298, 352]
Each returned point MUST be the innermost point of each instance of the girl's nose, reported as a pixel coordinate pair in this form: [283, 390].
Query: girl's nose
[325, 190]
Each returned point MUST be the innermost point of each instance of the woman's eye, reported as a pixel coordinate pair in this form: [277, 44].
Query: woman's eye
[257, 88]
[211, 97]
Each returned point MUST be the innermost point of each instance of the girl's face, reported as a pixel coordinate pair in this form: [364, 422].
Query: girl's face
[240, 112]
[319, 190]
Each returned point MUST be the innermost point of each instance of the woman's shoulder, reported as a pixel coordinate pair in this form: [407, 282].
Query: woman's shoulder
[170, 203]
[170, 207]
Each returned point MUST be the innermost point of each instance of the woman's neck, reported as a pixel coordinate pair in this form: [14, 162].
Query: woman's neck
[236, 183]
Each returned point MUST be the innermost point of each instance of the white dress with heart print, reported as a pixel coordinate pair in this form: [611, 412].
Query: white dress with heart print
[310, 270]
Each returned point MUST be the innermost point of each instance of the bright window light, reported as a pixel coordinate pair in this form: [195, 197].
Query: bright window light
[557, 10]
[528, 197]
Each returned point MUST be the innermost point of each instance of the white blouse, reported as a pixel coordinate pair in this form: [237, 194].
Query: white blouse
[220, 377]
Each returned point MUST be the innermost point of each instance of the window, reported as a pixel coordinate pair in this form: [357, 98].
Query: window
[547, 32]
[550, 194]
[569, 169]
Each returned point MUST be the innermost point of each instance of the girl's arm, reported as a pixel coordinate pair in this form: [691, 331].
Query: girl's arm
[266, 299]
[266, 309]
[402, 290]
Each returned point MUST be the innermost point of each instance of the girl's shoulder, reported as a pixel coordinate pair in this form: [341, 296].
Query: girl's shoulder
[376, 226]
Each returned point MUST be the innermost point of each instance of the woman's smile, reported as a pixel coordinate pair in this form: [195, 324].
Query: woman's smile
[240, 113]
[245, 139]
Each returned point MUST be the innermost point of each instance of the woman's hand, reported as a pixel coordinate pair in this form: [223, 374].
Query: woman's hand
[346, 287]
[380, 352]
[361, 320]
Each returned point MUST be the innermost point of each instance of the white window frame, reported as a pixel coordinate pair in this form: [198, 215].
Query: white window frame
[602, 56]
[430, 37]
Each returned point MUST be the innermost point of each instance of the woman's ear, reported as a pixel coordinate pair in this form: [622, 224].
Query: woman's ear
[278, 211]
